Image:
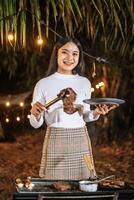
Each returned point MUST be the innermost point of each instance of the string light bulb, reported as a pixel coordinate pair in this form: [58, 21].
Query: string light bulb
[7, 120]
[40, 41]
[10, 36]
[28, 116]
[99, 85]
[21, 104]
[7, 103]
[17, 119]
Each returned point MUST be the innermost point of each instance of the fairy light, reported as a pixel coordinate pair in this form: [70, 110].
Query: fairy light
[7, 120]
[7, 103]
[17, 119]
[10, 37]
[21, 104]
[39, 41]
[99, 85]
[28, 116]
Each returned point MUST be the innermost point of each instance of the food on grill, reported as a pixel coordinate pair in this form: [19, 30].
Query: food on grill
[19, 183]
[68, 101]
[28, 184]
[113, 183]
[62, 186]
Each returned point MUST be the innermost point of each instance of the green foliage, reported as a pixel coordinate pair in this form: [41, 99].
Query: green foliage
[109, 21]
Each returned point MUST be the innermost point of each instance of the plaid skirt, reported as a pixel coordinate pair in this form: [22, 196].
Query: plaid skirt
[62, 154]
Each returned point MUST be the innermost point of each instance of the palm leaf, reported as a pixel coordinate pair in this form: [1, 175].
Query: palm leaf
[22, 7]
[69, 14]
[117, 19]
[55, 13]
[1, 23]
[74, 2]
[37, 16]
[47, 18]
[6, 22]
[33, 16]
[130, 8]
[15, 24]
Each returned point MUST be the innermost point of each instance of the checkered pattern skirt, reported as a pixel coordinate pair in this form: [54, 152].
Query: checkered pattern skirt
[62, 155]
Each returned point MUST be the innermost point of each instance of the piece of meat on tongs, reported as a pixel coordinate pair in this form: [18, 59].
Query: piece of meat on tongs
[68, 101]
[68, 96]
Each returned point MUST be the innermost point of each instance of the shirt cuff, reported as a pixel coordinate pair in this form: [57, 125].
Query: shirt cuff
[34, 122]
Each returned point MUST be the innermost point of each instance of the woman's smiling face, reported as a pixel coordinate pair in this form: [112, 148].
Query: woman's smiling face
[68, 58]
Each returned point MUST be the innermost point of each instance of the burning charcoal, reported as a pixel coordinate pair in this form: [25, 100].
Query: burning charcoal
[62, 186]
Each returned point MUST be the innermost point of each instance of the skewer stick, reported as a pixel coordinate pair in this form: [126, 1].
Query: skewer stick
[88, 161]
[90, 166]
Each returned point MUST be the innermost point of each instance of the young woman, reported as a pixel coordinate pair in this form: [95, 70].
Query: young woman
[66, 139]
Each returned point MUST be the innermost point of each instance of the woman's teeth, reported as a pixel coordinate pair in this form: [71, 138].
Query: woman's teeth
[68, 63]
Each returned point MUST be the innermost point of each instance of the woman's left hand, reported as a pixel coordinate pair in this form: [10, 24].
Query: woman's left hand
[104, 109]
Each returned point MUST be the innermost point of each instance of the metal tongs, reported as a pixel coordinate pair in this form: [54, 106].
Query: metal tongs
[64, 93]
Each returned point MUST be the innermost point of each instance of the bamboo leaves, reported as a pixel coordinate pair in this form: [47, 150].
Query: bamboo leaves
[22, 8]
[109, 21]
[1, 23]
[37, 15]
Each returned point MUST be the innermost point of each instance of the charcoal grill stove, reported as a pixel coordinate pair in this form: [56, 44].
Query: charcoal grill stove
[43, 190]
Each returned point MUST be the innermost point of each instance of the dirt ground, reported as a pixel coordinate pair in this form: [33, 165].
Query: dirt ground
[21, 158]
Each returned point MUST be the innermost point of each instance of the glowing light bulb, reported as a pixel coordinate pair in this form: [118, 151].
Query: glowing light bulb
[21, 104]
[7, 120]
[10, 37]
[28, 116]
[101, 84]
[7, 103]
[39, 41]
[18, 119]
[97, 86]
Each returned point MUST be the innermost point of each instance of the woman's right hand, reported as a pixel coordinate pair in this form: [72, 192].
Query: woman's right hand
[37, 109]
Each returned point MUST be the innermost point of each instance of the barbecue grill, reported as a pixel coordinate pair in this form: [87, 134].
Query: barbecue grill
[43, 189]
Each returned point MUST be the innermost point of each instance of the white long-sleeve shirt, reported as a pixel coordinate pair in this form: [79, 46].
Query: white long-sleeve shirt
[47, 89]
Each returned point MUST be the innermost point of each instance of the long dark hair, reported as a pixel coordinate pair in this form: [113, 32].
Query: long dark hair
[79, 69]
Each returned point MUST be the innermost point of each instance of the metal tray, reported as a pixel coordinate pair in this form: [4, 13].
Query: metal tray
[107, 101]
[43, 186]
[46, 186]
